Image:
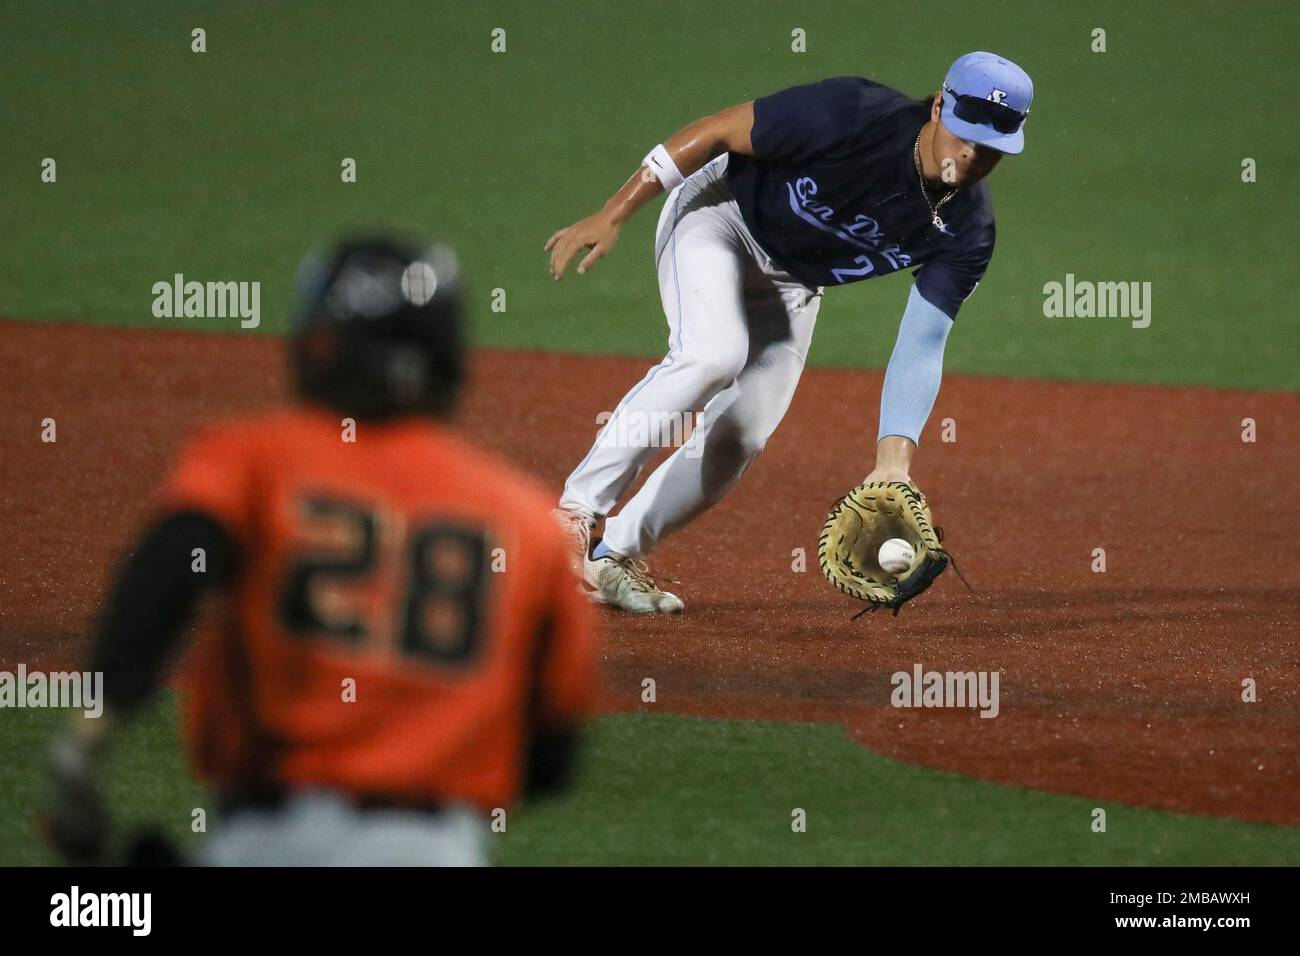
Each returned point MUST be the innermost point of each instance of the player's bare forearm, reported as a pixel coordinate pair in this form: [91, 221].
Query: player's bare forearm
[690, 148]
[893, 459]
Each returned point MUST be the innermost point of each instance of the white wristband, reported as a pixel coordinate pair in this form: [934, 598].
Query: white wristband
[659, 162]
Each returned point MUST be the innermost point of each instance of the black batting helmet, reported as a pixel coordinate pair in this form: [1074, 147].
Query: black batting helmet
[378, 331]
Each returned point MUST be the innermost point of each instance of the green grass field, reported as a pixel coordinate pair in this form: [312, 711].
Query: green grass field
[679, 791]
[226, 165]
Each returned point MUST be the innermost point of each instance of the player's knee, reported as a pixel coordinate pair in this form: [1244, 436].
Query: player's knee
[716, 372]
[737, 447]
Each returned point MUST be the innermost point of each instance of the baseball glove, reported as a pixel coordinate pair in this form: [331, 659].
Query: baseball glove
[860, 523]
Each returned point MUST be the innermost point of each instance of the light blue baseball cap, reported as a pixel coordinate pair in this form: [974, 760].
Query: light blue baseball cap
[986, 100]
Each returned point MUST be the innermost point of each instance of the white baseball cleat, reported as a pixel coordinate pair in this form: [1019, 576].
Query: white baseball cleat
[626, 583]
[577, 527]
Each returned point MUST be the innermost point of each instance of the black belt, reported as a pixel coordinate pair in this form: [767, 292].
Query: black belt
[263, 800]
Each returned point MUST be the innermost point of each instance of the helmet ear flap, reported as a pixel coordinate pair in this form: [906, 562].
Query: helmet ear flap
[408, 375]
[317, 348]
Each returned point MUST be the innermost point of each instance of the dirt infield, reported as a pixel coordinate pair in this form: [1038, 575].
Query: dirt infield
[1124, 685]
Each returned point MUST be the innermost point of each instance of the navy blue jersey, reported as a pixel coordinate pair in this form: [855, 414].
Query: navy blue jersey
[831, 192]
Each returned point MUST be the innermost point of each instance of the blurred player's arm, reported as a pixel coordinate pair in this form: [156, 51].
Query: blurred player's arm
[565, 686]
[145, 619]
[152, 602]
[687, 150]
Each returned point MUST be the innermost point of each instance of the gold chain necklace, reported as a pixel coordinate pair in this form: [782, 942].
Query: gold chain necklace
[934, 207]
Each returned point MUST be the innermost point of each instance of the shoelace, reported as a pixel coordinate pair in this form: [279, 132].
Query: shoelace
[639, 573]
[576, 526]
[572, 520]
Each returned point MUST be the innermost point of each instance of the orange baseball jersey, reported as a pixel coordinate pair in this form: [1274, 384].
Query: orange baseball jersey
[402, 619]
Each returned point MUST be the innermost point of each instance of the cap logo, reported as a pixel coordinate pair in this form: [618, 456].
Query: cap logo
[998, 96]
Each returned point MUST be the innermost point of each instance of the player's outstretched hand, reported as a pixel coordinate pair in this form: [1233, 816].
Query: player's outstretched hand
[74, 819]
[598, 232]
[890, 474]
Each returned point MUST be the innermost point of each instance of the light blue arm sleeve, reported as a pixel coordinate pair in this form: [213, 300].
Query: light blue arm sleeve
[915, 369]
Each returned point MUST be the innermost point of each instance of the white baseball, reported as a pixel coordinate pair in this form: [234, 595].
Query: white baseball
[896, 556]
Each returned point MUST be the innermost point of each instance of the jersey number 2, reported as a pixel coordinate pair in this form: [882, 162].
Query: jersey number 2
[438, 614]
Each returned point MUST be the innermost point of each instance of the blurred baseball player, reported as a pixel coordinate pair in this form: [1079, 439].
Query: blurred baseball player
[769, 203]
[402, 650]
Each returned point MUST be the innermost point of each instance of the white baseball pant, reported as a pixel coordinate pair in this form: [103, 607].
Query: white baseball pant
[739, 331]
[321, 828]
